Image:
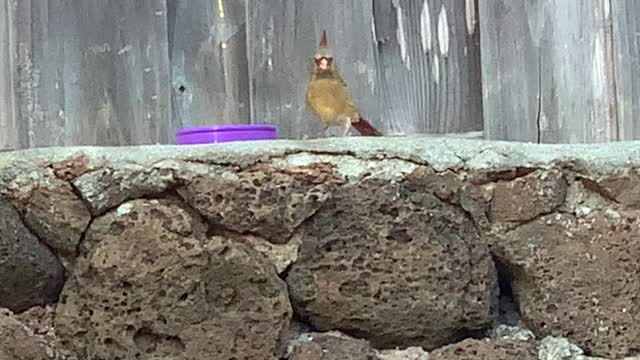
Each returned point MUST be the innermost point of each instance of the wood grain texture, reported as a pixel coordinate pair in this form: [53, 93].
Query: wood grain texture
[283, 36]
[8, 119]
[91, 72]
[208, 51]
[429, 65]
[626, 53]
[547, 73]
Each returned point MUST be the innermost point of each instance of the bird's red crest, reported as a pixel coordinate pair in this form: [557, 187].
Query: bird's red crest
[323, 40]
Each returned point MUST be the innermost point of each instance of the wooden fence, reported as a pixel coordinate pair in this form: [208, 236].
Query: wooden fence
[116, 72]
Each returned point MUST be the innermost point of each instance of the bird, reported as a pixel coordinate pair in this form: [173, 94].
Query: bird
[328, 96]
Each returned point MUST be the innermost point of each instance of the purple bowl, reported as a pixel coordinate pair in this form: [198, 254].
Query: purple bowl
[224, 133]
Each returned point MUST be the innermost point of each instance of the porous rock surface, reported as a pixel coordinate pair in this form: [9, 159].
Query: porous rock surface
[30, 336]
[150, 284]
[487, 349]
[191, 252]
[262, 200]
[582, 271]
[17, 342]
[400, 267]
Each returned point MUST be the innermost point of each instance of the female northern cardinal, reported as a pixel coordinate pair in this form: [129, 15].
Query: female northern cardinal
[328, 97]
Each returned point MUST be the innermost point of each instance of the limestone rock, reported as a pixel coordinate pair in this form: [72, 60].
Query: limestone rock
[553, 348]
[396, 266]
[513, 332]
[526, 197]
[578, 278]
[30, 274]
[330, 346]
[150, 284]
[410, 353]
[264, 201]
[58, 217]
[487, 349]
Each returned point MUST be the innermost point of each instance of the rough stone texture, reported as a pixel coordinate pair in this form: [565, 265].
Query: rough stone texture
[512, 332]
[554, 348]
[578, 278]
[330, 346]
[582, 199]
[150, 284]
[71, 167]
[513, 184]
[106, 188]
[524, 198]
[444, 185]
[487, 349]
[410, 353]
[398, 268]
[262, 201]
[450, 187]
[51, 210]
[476, 200]
[39, 324]
[18, 343]
[294, 333]
[30, 274]
[281, 255]
[58, 217]
[624, 189]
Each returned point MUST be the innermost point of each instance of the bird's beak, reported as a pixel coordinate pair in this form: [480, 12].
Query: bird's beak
[323, 64]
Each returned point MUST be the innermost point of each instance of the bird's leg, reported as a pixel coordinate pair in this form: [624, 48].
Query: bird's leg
[346, 126]
[344, 122]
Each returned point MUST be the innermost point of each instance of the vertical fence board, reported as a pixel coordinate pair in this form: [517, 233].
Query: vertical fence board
[8, 124]
[209, 62]
[120, 56]
[626, 30]
[91, 72]
[429, 65]
[546, 71]
[283, 37]
[510, 70]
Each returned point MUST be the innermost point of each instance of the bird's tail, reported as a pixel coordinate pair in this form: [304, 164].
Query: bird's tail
[365, 128]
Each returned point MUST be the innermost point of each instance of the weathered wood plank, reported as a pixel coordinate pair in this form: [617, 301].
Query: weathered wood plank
[91, 72]
[546, 71]
[626, 52]
[8, 124]
[283, 36]
[208, 49]
[120, 54]
[429, 65]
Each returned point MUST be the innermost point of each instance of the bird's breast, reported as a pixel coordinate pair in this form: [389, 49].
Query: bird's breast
[328, 99]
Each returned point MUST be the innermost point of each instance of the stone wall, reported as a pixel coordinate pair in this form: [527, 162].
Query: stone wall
[397, 248]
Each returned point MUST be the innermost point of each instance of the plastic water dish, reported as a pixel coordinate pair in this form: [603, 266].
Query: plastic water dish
[224, 133]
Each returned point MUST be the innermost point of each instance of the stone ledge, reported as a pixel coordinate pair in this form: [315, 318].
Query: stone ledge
[399, 242]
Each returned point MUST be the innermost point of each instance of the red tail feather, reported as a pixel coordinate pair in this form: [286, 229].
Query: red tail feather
[365, 129]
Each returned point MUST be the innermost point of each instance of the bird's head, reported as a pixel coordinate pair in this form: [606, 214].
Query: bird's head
[323, 58]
